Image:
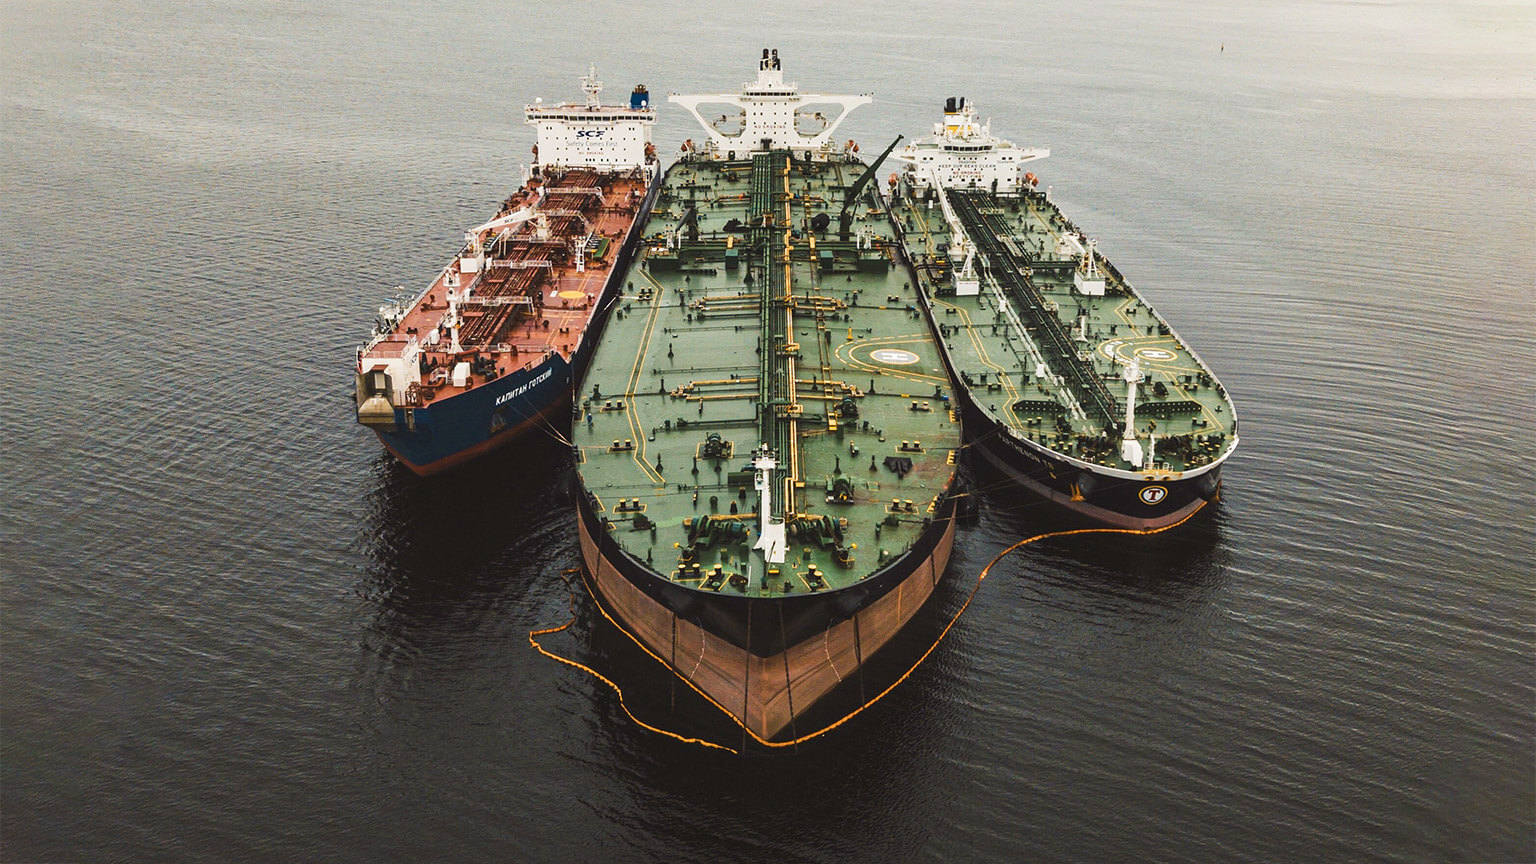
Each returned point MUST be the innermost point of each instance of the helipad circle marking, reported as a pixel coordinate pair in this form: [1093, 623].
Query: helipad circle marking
[894, 356]
[1155, 354]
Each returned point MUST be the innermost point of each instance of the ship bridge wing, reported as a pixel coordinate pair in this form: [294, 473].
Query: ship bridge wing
[771, 114]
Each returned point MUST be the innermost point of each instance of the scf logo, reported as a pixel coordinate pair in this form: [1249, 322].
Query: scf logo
[1152, 494]
[590, 133]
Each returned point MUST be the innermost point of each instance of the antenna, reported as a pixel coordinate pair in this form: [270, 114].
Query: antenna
[591, 86]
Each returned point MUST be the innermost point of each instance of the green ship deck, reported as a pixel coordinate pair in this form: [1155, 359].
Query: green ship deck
[1030, 317]
[751, 326]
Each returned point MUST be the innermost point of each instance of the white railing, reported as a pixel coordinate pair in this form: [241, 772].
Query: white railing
[574, 190]
[496, 301]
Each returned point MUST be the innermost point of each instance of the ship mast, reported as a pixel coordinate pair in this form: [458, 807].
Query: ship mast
[453, 321]
[771, 538]
[591, 86]
[1130, 448]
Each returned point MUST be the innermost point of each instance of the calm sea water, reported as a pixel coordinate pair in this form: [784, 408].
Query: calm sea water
[231, 629]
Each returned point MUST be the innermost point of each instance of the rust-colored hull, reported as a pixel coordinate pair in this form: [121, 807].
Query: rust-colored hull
[766, 693]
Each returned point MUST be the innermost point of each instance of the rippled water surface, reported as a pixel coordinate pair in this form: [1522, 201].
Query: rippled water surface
[234, 630]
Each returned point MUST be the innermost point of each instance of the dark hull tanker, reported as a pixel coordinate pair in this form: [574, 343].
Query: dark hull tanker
[1071, 384]
[490, 349]
[765, 439]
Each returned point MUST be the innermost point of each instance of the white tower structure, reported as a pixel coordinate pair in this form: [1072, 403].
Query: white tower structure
[771, 537]
[771, 114]
[1130, 448]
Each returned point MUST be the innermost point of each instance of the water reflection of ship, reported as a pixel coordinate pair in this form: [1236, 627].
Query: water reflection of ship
[1182, 566]
[427, 554]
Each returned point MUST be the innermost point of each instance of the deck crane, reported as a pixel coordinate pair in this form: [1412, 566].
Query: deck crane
[474, 238]
[845, 218]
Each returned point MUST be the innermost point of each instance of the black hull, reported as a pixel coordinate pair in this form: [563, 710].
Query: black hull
[1120, 502]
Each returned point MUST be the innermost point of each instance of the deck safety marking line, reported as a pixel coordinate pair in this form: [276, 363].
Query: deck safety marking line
[970, 330]
[1044, 223]
[1120, 310]
[634, 378]
[981, 577]
[970, 327]
[844, 352]
[1205, 411]
[981, 351]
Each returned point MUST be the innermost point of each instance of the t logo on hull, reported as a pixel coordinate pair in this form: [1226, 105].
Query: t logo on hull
[1152, 494]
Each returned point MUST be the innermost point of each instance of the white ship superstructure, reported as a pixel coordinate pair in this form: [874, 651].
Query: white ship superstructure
[771, 115]
[963, 153]
[591, 134]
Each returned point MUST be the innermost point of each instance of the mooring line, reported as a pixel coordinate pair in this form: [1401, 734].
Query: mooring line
[571, 603]
[981, 577]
